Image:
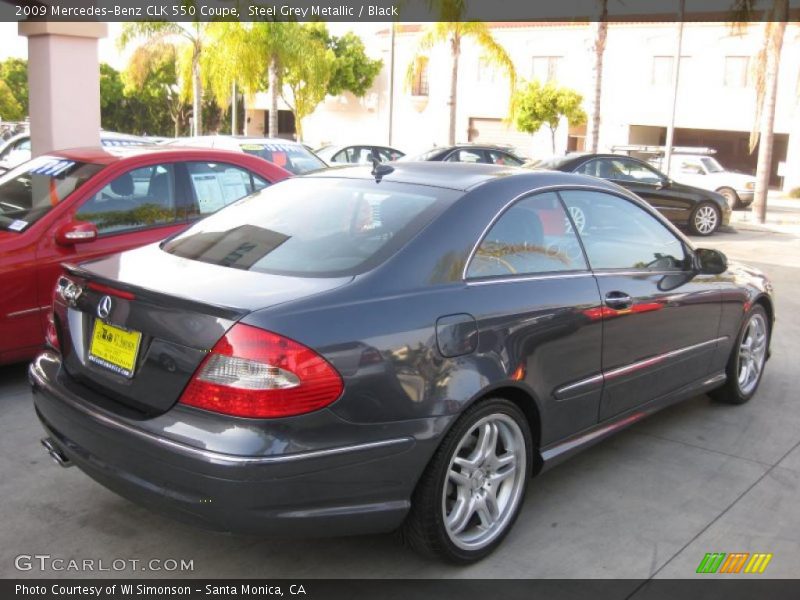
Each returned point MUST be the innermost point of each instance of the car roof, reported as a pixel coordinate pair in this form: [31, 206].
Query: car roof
[237, 138]
[111, 154]
[458, 176]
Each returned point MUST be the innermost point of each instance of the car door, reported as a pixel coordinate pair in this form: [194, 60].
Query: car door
[140, 205]
[536, 304]
[660, 318]
[645, 182]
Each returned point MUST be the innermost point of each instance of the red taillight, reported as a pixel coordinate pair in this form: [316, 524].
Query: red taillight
[255, 373]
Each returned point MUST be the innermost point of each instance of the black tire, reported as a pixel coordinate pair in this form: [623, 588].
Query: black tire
[424, 529]
[731, 392]
[731, 197]
[698, 222]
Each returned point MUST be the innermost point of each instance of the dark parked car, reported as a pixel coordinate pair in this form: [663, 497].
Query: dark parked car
[470, 153]
[702, 211]
[346, 353]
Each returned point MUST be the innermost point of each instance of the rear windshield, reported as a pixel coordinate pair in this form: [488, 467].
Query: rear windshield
[313, 227]
[295, 158]
[32, 189]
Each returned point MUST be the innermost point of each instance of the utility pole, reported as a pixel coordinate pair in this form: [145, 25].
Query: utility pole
[676, 71]
[391, 83]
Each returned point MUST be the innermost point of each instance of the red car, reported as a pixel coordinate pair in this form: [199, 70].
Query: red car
[80, 204]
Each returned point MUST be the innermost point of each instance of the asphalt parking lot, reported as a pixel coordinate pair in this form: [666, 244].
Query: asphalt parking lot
[699, 477]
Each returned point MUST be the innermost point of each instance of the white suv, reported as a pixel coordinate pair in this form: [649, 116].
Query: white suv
[705, 172]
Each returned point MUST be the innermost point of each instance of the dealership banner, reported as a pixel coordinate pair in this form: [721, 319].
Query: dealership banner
[405, 589]
[395, 10]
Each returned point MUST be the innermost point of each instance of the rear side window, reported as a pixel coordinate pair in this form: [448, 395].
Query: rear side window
[533, 236]
[316, 227]
[136, 199]
[215, 185]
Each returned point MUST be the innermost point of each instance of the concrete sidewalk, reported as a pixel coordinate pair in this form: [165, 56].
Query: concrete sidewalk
[783, 215]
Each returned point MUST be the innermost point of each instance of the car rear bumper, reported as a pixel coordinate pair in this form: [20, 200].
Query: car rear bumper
[363, 487]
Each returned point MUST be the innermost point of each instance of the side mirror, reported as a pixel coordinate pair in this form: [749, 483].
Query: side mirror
[76, 232]
[662, 183]
[710, 262]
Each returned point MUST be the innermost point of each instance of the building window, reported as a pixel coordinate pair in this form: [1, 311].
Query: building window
[487, 73]
[662, 70]
[736, 69]
[419, 85]
[545, 68]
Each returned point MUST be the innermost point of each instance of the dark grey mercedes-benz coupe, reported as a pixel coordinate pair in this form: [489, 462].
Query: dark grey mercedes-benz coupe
[404, 348]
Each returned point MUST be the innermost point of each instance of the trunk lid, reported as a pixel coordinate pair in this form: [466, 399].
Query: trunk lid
[142, 321]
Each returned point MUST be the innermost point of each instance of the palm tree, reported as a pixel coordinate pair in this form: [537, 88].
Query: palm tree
[246, 54]
[454, 33]
[767, 69]
[600, 29]
[190, 37]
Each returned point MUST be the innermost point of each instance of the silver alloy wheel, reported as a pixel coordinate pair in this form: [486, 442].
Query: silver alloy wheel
[578, 217]
[705, 219]
[485, 481]
[752, 353]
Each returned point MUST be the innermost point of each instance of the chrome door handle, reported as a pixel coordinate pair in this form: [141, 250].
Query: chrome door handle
[618, 300]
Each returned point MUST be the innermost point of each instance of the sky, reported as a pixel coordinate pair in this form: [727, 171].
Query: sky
[14, 45]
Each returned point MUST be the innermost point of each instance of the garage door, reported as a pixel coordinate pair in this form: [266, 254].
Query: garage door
[495, 131]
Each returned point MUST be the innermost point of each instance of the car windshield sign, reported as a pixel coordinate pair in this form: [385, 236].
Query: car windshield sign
[316, 227]
[28, 192]
[292, 157]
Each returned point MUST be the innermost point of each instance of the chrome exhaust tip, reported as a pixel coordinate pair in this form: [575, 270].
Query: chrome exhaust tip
[57, 455]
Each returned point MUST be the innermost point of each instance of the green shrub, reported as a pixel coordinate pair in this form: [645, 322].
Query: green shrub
[794, 193]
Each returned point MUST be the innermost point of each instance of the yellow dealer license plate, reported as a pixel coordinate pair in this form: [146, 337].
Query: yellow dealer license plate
[114, 348]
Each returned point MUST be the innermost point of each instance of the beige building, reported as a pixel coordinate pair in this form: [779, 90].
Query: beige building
[715, 104]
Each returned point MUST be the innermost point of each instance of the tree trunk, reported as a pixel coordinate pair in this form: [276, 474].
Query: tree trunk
[456, 48]
[593, 127]
[274, 93]
[234, 109]
[197, 96]
[774, 44]
[553, 140]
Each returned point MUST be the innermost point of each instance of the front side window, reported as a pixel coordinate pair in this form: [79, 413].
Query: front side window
[143, 197]
[315, 227]
[533, 236]
[618, 234]
[215, 185]
[29, 191]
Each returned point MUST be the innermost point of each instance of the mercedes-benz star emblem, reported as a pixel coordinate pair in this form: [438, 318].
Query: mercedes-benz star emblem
[104, 307]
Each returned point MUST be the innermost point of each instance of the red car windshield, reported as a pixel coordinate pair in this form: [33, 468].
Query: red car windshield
[28, 192]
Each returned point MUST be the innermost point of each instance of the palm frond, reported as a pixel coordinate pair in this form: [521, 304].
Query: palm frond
[434, 34]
